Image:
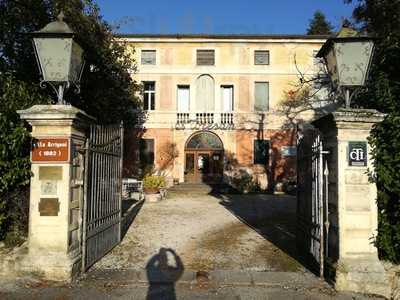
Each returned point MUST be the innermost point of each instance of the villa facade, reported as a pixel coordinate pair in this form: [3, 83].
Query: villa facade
[211, 105]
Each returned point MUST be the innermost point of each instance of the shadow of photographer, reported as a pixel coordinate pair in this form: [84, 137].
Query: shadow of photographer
[163, 270]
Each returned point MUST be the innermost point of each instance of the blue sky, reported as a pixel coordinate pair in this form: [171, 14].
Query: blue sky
[220, 16]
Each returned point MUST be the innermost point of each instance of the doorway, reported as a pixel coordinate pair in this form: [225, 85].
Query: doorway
[204, 156]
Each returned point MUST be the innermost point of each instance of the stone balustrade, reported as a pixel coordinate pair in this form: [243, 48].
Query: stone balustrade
[225, 120]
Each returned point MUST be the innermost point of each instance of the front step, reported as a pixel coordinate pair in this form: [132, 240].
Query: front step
[201, 188]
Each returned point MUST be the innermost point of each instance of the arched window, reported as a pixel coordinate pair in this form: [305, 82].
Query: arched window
[205, 93]
[204, 140]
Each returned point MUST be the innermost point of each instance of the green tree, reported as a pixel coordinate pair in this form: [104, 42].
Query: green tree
[381, 18]
[107, 90]
[319, 24]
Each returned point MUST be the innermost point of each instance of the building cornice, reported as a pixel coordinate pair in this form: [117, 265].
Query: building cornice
[223, 38]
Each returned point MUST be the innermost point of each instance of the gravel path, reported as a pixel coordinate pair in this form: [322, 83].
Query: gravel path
[237, 232]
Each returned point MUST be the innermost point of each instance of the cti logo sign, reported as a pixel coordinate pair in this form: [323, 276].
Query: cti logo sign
[357, 154]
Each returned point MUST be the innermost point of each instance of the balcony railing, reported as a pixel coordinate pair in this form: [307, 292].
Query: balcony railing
[182, 118]
[205, 118]
[198, 120]
[227, 118]
[214, 119]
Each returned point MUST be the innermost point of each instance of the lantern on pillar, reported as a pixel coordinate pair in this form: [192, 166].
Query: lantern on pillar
[348, 58]
[59, 57]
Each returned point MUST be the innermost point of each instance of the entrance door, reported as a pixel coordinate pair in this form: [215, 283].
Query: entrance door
[203, 166]
[203, 158]
[190, 172]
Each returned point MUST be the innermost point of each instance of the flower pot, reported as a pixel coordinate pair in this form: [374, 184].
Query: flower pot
[151, 190]
[152, 197]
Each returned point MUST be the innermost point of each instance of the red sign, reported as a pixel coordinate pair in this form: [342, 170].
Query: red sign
[50, 150]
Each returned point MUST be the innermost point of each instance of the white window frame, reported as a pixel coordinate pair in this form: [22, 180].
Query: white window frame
[232, 101]
[149, 93]
[178, 87]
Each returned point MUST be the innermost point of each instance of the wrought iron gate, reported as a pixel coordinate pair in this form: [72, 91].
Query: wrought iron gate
[312, 199]
[102, 192]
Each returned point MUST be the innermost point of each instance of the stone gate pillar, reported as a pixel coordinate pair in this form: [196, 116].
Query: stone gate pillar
[56, 192]
[352, 201]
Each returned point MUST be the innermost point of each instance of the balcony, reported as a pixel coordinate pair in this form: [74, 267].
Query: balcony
[197, 120]
[202, 120]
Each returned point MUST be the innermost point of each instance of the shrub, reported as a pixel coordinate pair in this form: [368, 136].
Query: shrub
[290, 185]
[387, 165]
[14, 149]
[153, 183]
[244, 182]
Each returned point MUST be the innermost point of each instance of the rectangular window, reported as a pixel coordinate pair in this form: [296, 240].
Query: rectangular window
[205, 57]
[146, 153]
[148, 57]
[149, 94]
[261, 152]
[183, 98]
[227, 98]
[261, 96]
[261, 57]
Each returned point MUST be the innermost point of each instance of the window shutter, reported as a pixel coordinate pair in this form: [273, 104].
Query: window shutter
[205, 57]
[148, 57]
[261, 96]
[205, 93]
[261, 57]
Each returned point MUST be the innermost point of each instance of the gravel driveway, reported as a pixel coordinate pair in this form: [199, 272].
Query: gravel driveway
[212, 232]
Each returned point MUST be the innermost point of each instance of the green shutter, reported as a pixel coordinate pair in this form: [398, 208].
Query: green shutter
[261, 96]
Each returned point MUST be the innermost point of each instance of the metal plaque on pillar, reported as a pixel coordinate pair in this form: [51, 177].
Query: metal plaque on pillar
[49, 207]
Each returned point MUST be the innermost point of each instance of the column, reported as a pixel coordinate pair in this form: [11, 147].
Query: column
[352, 201]
[56, 193]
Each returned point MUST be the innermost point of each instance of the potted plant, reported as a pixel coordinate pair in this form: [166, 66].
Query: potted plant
[152, 184]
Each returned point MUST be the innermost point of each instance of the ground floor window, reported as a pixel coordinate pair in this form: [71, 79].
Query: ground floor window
[261, 152]
[146, 153]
